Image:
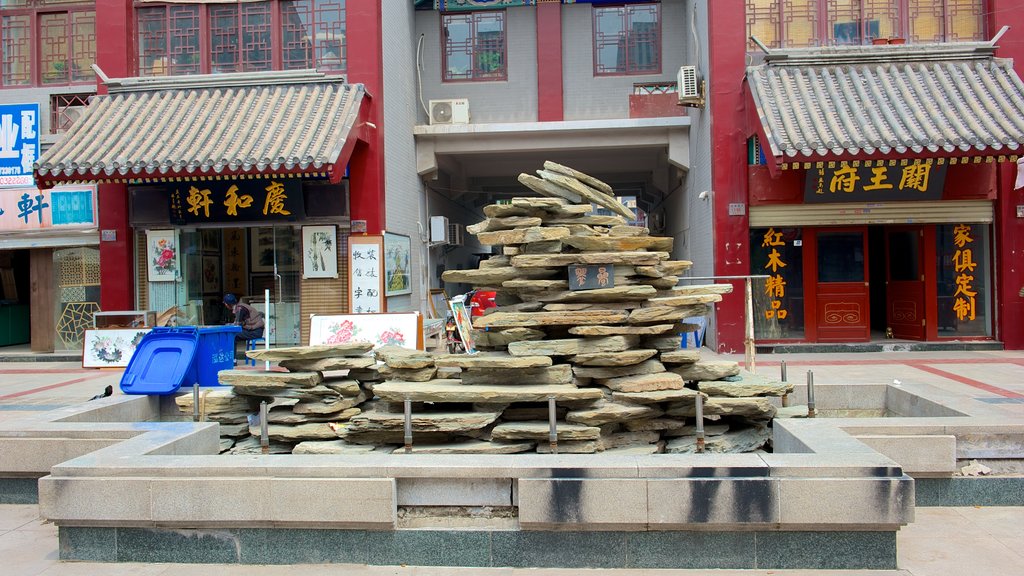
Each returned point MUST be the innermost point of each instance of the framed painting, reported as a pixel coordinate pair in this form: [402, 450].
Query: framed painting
[319, 252]
[110, 348]
[365, 275]
[463, 323]
[211, 275]
[438, 303]
[397, 278]
[270, 245]
[399, 329]
[162, 255]
[210, 240]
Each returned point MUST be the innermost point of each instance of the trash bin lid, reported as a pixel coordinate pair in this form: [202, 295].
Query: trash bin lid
[160, 363]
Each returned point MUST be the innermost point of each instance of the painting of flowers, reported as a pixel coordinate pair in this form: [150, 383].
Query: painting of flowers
[110, 348]
[162, 253]
[319, 252]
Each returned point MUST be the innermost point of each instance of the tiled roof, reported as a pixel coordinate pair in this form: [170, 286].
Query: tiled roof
[940, 98]
[207, 126]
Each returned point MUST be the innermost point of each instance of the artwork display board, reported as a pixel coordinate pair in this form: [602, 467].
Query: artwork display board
[110, 348]
[365, 274]
[397, 264]
[319, 252]
[464, 324]
[438, 303]
[162, 255]
[400, 329]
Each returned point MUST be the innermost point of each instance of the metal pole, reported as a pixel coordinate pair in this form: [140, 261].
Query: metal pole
[266, 325]
[264, 434]
[195, 402]
[700, 423]
[552, 425]
[810, 394]
[785, 397]
[408, 425]
[748, 342]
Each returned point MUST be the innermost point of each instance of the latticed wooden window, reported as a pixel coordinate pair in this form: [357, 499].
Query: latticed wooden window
[861, 21]
[948, 21]
[240, 37]
[169, 40]
[313, 35]
[627, 39]
[474, 46]
[65, 110]
[47, 42]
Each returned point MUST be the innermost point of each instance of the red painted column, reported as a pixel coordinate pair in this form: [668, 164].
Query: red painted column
[114, 49]
[549, 62]
[727, 57]
[366, 66]
[1009, 230]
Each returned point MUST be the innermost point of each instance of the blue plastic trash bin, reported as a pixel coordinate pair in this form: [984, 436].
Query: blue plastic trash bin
[214, 352]
[168, 358]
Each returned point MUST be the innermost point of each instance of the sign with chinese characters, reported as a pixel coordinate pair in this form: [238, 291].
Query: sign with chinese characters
[236, 200]
[582, 277]
[775, 285]
[964, 265]
[893, 180]
[366, 274]
[65, 208]
[19, 143]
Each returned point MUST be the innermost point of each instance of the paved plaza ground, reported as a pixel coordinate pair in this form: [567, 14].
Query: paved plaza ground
[941, 541]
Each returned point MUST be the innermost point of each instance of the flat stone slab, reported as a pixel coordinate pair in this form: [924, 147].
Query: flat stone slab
[623, 358]
[311, 352]
[653, 424]
[523, 236]
[330, 447]
[297, 433]
[559, 374]
[571, 447]
[589, 194]
[410, 374]
[280, 390]
[746, 440]
[560, 260]
[643, 382]
[494, 276]
[707, 370]
[616, 330]
[619, 243]
[687, 300]
[655, 396]
[535, 285]
[751, 407]
[681, 356]
[329, 405]
[327, 364]
[501, 338]
[529, 319]
[271, 379]
[291, 418]
[455, 391]
[492, 361]
[634, 292]
[402, 357]
[702, 289]
[508, 223]
[662, 314]
[344, 386]
[609, 412]
[581, 176]
[214, 400]
[750, 385]
[452, 422]
[663, 343]
[572, 346]
[471, 447]
[507, 431]
[549, 189]
[646, 367]
[594, 220]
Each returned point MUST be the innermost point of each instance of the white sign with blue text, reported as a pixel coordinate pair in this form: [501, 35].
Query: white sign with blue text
[19, 143]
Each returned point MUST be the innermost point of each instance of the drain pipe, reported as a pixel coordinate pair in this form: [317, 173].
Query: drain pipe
[552, 425]
[700, 423]
[264, 434]
[408, 425]
[810, 394]
[785, 397]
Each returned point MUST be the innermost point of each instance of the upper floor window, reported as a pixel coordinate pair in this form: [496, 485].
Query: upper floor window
[474, 46]
[241, 37]
[800, 23]
[627, 39]
[47, 42]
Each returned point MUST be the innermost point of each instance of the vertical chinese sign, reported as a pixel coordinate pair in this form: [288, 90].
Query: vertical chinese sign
[778, 304]
[19, 143]
[365, 274]
[964, 303]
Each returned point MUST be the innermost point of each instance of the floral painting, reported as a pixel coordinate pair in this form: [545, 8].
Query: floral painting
[398, 329]
[111, 348]
[319, 252]
[162, 255]
[341, 332]
[397, 249]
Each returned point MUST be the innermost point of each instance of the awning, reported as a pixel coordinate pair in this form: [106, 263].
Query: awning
[300, 124]
[843, 103]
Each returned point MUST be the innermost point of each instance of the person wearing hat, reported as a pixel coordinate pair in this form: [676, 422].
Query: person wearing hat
[249, 318]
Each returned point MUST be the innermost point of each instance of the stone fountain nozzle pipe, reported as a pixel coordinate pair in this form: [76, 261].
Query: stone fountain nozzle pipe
[264, 434]
[785, 397]
[552, 425]
[195, 402]
[700, 423]
[810, 394]
[408, 425]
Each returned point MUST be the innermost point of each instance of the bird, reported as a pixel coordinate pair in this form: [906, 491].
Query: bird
[109, 390]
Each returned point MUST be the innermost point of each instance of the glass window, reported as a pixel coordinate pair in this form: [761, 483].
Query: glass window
[962, 251]
[314, 33]
[840, 256]
[627, 39]
[779, 299]
[240, 37]
[474, 46]
[168, 40]
[63, 43]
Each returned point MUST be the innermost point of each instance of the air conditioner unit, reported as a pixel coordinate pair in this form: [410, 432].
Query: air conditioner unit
[686, 82]
[439, 229]
[453, 111]
[455, 234]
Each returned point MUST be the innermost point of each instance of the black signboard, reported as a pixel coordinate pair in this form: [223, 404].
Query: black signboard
[261, 200]
[583, 277]
[881, 181]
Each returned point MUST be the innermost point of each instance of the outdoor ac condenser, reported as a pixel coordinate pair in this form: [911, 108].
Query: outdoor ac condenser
[439, 229]
[452, 111]
[686, 83]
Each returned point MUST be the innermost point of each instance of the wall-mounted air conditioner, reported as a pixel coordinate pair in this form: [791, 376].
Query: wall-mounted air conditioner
[452, 111]
[691, 90]
[455, 234]
[439, 229]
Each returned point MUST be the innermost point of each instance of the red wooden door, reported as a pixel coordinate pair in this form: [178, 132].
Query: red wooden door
[904, 282]
[842, 301]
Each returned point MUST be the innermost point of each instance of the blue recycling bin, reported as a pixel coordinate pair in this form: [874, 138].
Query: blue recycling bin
[168, 358]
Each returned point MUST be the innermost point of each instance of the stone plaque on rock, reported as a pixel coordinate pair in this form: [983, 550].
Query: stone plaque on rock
[591, 276]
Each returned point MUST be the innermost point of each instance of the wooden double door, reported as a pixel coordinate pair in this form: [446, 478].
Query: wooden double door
[840, 281]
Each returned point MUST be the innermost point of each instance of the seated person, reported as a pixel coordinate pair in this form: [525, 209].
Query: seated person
[249, 318]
